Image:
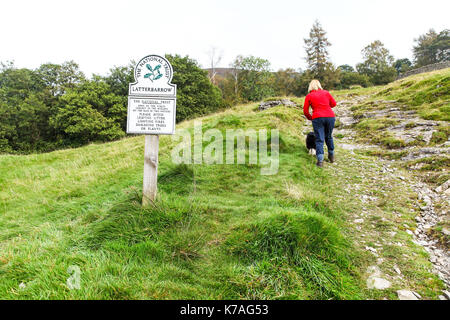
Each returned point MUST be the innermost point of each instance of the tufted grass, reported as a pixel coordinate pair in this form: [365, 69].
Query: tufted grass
[215, 232]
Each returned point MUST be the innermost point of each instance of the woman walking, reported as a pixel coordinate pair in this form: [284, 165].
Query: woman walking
[323, 119]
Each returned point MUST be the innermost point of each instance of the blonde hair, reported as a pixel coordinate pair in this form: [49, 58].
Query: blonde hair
[314, 85]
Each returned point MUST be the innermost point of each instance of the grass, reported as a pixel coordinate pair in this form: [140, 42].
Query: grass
[428, 94]
[82, 207]
[215, 232]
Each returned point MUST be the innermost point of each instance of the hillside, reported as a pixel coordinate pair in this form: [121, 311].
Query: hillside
[226, 231]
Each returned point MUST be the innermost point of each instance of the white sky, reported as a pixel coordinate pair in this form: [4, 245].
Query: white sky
[99, 34]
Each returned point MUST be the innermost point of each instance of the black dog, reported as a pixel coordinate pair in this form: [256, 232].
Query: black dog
[311, 142]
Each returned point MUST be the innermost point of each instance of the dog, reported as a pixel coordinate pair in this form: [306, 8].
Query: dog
[311, 143]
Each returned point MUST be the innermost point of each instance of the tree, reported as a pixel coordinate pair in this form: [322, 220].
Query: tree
[346, 68]
[254, 79]
[377, 64]
[58, 78]
[432, 48]
[349, 79]
[286, 82]
[442, 46]
[120, 77]
[317, 57]
[196, 95]
[23, 113]
[402, 65]
[89, 112]
[214, 57]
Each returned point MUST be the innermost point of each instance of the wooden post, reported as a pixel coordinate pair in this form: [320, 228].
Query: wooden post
[150, 169]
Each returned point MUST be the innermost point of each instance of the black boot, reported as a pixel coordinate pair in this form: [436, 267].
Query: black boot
[319, 164]
[331, 158]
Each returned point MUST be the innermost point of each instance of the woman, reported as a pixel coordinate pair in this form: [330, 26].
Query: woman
[322, 118]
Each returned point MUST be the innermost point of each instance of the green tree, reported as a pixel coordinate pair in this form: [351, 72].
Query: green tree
[196, 95]
[349, 79]
[23, 113]
[120, 77]
[377, 64]
[402, 65]
[346, 68]
[89, 112]
[254, 80]
[432, 48]
[442, 46]
[317, 57]
[286, 82]
[58, 78]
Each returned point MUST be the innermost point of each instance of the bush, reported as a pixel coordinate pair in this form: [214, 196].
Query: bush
[350, 79]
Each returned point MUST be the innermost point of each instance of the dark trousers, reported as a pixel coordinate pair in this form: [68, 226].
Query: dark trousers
[323, 128]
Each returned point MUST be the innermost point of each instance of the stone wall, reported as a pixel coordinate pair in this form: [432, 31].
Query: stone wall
[428, 68]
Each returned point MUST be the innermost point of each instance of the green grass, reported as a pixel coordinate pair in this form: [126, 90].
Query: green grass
[215, 232]
[428, 94]
[82, 207]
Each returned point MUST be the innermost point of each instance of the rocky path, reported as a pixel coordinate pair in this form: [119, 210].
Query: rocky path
[432, 202]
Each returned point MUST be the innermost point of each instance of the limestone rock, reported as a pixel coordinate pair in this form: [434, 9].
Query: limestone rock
[406, 295]
[378, 283]
[275, 103]
[397, 269]
[446, 294]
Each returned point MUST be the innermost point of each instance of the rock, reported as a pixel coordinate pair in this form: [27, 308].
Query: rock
[446, 231]
[442, 298]
[443, 187]
[275, 103]
[371, 249]
[446, 294]
[406, 295]
[396, 269]
[378, 283]
[359, 221]
[288, 103]
[374, 271]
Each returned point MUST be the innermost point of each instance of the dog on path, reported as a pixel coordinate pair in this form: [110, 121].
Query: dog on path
[311, 143]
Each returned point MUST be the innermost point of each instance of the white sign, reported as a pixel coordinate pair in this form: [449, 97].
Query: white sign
[152, 98]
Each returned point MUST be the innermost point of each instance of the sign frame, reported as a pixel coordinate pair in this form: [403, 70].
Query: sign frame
[147, 132]
[165, 90]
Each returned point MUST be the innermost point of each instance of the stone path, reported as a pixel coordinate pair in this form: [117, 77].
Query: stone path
[409, 127]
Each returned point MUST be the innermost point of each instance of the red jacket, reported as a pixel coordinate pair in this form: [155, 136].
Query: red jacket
[321, 102]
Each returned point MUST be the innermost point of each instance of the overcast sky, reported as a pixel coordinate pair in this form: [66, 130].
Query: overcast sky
[99, 34]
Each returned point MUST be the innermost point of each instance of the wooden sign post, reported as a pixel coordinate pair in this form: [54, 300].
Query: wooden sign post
[151, 111]
[150, 169]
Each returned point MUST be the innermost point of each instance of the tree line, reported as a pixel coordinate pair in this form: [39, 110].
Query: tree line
[251, 79]
[56, 106]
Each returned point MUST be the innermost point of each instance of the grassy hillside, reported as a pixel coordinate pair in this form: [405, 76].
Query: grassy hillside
[216, 231]
[428, 94]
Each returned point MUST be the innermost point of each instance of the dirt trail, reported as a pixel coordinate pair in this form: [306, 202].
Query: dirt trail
[433, 202]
